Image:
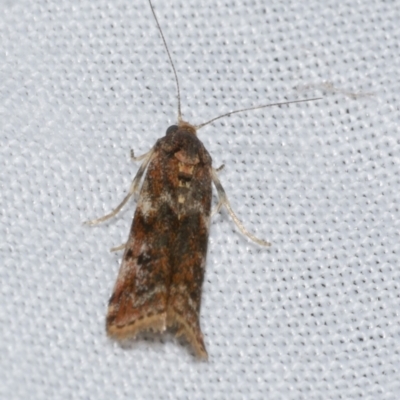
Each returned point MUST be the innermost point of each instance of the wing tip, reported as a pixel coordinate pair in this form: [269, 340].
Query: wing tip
[192, 334]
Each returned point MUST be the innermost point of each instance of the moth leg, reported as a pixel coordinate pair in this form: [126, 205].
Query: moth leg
[118, 248]
[220, 203]
[139, 158]
[223, 201]
[218, 207]
[133, 190]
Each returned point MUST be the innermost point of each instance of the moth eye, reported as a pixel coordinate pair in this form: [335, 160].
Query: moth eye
[171, 129]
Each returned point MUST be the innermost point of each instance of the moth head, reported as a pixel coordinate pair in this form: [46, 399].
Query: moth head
[183, 126]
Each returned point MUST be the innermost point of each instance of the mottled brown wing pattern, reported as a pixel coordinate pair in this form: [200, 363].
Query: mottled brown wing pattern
[162, 271]
[160, 279]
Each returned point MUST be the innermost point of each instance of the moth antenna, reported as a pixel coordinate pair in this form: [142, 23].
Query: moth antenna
[254, 108]
[170, 61]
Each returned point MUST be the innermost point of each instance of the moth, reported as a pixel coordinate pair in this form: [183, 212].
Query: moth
[160, 280]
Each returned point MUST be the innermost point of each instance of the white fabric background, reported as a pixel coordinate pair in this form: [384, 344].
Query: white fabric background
[316, 316]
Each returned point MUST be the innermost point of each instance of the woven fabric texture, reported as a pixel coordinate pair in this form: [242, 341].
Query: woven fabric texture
[315, 316]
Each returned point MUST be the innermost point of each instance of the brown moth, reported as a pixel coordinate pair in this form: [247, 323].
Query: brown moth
[160, 279]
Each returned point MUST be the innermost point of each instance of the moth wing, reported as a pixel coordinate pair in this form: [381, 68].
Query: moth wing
[140, 295]
[187, 279]
[188, 257]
